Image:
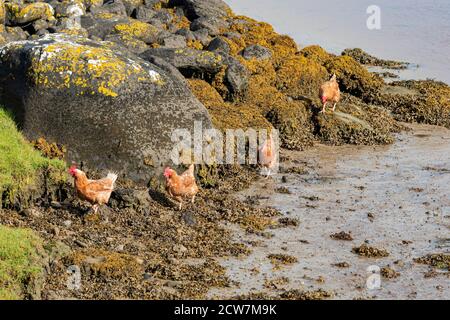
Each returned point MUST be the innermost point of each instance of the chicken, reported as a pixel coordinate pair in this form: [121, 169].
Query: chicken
[181, 186]
[96, 192]
[267, 155]
[329, 92]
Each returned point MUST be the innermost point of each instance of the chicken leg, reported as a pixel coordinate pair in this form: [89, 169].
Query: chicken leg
[334, 107]
[323, 109]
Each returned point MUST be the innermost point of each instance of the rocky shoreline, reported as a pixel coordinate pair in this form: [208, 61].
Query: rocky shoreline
[90, 76]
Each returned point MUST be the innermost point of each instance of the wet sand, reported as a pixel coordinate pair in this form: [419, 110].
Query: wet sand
[391, 197]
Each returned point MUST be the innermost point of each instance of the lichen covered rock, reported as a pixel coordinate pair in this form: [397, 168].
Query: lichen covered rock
[110, 109]
[33, 11]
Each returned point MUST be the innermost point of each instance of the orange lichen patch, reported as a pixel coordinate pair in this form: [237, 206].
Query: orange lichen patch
[195, 44]
[49, 150]
[181, 22]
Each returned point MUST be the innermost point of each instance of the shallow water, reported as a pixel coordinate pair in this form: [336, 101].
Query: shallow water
[412, 30]
[404, 187]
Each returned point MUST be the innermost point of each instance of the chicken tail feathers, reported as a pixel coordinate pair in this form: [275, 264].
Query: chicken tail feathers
[113, 176]
[191, 169]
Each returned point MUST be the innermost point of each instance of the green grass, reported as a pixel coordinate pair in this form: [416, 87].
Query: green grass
[19, 260]
[19, 161]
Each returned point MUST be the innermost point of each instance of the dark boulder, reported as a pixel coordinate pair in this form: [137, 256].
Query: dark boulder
[116, 7]
[219, 45]
[195, 9]
[186, 33]
[257, 52]
[236, 77]
[111, 109]
[205, 14]
[202, 35]
[144, 14]
[100, 26]
[174, 41]
[188, 60]
[214, 26]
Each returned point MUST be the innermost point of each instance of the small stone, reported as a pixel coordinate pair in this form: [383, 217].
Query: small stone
[55, 230]
[31, 213]
[55, 205]
[148, 276]
[67, 223]
[189, 218]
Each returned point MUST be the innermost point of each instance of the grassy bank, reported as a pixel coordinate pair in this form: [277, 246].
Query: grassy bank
[19, 162]
[20, 261]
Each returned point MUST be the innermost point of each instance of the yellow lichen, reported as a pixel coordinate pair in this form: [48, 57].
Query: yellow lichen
[195, 44]
[2, 12]
[91, 69]
[135, 30]
[31, 12]
[316, 53]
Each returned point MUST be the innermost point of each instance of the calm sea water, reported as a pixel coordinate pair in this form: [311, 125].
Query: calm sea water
[417, 31]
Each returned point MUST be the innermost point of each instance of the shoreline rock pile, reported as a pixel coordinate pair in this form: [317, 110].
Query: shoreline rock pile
[93, 54]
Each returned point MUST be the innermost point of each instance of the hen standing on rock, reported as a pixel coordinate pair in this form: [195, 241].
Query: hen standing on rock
[181, 186]
[97, 192]
[329, 91]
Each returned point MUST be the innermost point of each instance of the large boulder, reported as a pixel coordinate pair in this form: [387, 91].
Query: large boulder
[111, 109]
[195, 9]
[205, 14]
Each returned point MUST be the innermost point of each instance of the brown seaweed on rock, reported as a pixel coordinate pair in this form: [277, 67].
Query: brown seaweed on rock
[417, 101]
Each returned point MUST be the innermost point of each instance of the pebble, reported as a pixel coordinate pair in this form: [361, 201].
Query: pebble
[67, 223]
